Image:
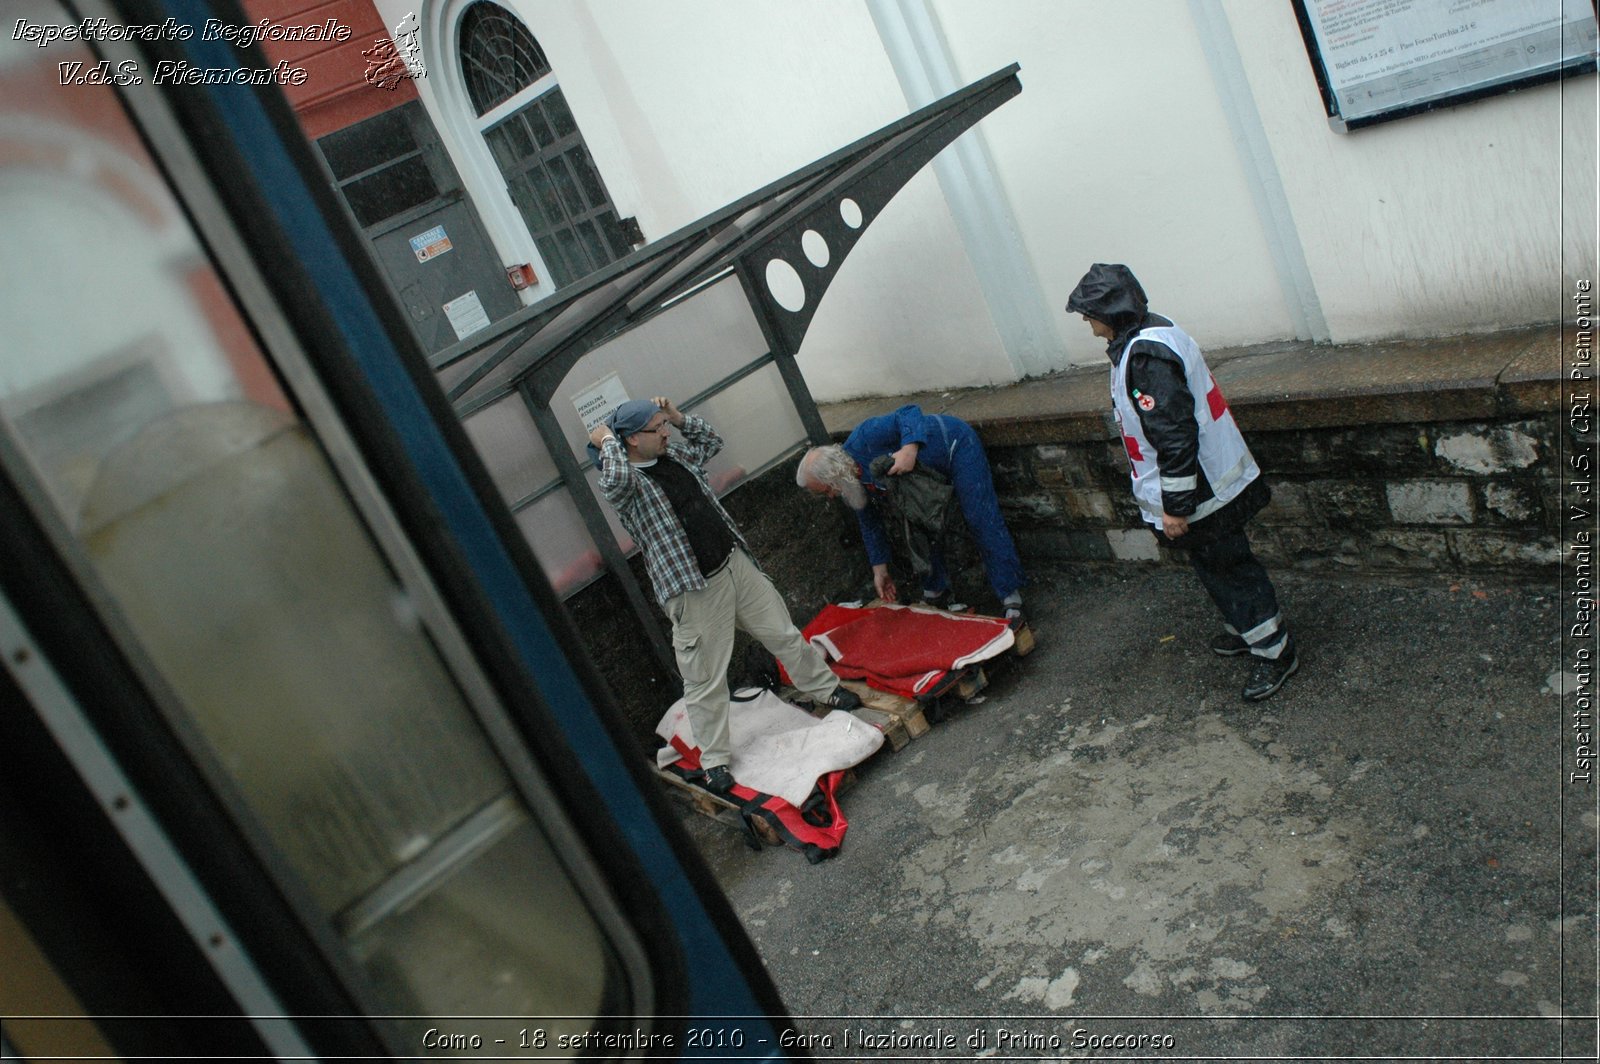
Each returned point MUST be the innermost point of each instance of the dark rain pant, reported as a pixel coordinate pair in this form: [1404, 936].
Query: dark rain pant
[1242, 590]
[957, 452]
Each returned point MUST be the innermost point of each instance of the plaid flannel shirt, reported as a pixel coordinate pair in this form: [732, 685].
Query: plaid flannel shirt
[647, 515]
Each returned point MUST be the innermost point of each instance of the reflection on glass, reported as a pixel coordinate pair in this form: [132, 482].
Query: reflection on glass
[572, 252]
[391, 190]
[259, 597]
[500, 938]
[570, 197]
[615, 239]
[560, 114]
[501, 147]
[542, 132]
[235, 569]
[498, 55]
[517, 133]
[356, 148]
[504, 434]
[549, 205]
[522, 195]
[590, 236]
[587, 177]
[561, 540]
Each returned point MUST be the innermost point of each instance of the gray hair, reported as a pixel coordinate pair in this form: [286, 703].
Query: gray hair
[831, 467]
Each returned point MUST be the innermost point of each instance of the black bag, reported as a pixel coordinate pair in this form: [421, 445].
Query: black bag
[917, 506]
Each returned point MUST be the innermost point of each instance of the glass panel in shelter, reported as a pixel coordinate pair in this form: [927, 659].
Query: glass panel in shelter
[758, 424]
[680, 353]
[506, 437]
[561, 541]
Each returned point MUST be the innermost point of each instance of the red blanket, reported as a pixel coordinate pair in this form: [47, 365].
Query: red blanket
[902, 650]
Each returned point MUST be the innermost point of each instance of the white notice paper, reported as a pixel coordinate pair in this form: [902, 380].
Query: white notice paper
[466, 315]
[599, 399]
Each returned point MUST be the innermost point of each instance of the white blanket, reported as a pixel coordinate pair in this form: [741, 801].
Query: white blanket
[778, 748]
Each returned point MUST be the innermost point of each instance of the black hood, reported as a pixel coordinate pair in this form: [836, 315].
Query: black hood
[1110, 293]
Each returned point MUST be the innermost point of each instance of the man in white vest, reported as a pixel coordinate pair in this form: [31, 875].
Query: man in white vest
[1193, 476]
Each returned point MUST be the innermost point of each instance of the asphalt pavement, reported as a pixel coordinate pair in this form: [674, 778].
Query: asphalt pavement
[1111, 854]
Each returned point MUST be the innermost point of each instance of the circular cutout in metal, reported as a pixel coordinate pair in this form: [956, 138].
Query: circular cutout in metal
[815, 247]
[785, 285]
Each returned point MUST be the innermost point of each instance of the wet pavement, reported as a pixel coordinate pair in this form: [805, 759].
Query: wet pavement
[1113, 855]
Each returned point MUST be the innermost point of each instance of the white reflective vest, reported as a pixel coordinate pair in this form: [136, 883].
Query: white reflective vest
[1224, 457]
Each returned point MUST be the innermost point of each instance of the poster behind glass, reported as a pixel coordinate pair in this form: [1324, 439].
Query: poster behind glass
[1377, 60]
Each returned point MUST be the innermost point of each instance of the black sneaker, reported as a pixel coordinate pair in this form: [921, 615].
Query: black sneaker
[1015, 617]
[1229, 644]
[1269, 674]
[842, 698]
[941, 601]
[717, 779]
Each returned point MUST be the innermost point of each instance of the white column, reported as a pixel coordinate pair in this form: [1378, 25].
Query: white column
[916, 47]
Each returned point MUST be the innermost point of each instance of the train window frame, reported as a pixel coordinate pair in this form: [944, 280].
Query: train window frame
[234, 261]
[225, 247]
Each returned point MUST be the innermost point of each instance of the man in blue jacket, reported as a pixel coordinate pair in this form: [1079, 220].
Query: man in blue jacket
[948, 446]
[1193, 475]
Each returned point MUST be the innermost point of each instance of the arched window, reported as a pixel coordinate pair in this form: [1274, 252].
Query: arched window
[499, 57]
[536, 144]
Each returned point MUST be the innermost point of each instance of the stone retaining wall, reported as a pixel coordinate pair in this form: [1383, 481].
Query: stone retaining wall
[1448, 496]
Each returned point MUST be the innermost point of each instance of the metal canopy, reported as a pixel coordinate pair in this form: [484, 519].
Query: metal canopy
[526, 357]
[533, 350]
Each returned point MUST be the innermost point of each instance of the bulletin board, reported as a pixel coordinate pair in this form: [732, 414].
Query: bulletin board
[1378, 60]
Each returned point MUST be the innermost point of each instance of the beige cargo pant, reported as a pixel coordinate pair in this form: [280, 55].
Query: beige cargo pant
[739, 595]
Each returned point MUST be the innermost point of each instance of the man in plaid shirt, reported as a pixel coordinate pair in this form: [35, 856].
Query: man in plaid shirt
[701, 568]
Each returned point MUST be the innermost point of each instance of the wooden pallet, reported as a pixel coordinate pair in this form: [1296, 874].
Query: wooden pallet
[722, 810]
[974, 681]
[903, 719]
[906, 720]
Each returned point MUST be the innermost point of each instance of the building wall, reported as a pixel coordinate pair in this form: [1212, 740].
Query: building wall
[1444, 222]
[688, 106]
[1122, 147]
[1454, 497]
[336, 93]
[722, 99]
[1118, 150]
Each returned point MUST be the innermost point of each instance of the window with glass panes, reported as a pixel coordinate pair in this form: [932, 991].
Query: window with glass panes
[537, 146]
[379, 166]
